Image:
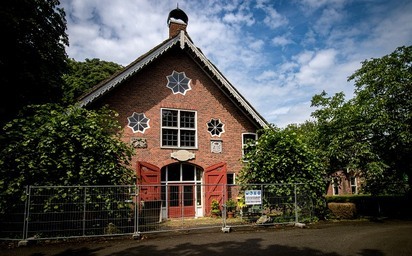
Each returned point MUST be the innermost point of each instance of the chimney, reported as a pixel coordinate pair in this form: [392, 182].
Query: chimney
[177, 21]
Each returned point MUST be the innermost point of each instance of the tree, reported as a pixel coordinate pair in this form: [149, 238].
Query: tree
[53, 145]
[282, 156]
[84, 75]
[32, 56]
[342, 139]
[372, 132]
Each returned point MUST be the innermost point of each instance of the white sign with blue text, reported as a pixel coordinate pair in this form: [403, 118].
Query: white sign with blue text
[253, 197]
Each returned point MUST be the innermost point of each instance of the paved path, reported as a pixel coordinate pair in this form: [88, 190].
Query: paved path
[361, 238]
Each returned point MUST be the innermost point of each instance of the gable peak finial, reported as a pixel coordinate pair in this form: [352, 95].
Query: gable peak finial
[177, 20]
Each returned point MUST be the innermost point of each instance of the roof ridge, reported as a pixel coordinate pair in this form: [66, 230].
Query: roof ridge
[183, 39]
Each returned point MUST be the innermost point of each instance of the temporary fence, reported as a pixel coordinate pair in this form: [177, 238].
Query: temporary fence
[53, 212]
[71, 211]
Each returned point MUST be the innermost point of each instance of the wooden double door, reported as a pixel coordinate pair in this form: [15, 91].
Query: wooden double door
[183, 188]
[181, 200]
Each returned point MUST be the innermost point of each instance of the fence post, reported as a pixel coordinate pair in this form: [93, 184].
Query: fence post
[225, 227]
[261, 199]
[26, 214]
[224, 200]
[296, 205]
[84, 211]
[135, 210]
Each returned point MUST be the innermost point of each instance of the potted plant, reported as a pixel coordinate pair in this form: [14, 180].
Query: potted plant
[215, 208]
[230, 207]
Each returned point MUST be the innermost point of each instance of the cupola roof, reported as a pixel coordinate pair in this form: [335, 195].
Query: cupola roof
[177, 14]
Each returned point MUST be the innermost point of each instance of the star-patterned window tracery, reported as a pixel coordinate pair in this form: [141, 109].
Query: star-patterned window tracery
[138, 122]
[215, 127]
[178, 82]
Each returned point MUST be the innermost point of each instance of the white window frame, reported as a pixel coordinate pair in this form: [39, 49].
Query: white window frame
[171, 80]
[138, 119]
[354, 185]
[335, 184]
[243, 140]
[233, 178]
[178, 128]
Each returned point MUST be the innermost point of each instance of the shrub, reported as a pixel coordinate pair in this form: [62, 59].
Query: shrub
[343, 210]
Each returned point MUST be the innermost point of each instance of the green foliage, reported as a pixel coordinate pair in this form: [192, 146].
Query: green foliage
[371, 133]
[215, 207]
[383, 89]
[231, 205]
[283, 156]
[84, 75]
[32, 56]
[342, 135]
[52, 145]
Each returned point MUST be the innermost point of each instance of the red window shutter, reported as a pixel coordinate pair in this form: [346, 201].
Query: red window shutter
[215, 184]
[148, 176]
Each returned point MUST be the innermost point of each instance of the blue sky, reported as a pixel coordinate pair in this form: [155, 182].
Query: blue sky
[278, 54]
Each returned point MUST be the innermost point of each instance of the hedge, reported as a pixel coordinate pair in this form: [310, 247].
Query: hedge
[377, 206]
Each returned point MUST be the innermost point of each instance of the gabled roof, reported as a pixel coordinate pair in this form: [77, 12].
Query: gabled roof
[185, 43]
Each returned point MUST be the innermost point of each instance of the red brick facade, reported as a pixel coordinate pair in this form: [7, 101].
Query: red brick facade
[146, 92]
[141, 89]
[174, 28]
[343, 183]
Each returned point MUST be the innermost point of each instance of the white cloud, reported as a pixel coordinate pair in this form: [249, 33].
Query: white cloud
[277, 62]
[239, 18]
[393, 30]
[294, 114]
[313, 5]
[328, 18]
[282, 40]
[256, 45]
[96, 26]
[273, 18]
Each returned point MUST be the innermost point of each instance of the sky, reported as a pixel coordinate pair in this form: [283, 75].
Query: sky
[277, 53]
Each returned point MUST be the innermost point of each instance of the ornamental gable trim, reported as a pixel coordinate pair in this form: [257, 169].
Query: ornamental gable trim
[185, 43]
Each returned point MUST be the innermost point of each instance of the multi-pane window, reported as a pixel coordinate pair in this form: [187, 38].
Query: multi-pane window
[353, 185]
[230, 185]
[335, 186]
[248, 139]
[178, 128]
[181, 173]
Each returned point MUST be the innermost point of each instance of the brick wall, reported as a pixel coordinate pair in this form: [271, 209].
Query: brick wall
[344, 182]
[147, 93]
[174, 28]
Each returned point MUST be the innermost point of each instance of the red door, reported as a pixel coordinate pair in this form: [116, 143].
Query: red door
[149, 179]
[215, 184]
[181, 200]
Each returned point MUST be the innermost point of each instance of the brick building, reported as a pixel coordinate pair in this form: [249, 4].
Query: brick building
[344, 183]
[187, 122]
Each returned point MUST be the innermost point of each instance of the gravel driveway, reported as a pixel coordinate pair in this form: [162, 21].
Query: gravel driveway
[364, 238]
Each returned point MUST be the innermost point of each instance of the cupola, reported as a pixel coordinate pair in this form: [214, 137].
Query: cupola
[177, 21]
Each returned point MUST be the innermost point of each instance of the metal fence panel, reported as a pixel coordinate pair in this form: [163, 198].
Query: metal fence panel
[71, 211]
[182, 206]
[188, 206]
[269, 204]
[12, 224]
[52, 212]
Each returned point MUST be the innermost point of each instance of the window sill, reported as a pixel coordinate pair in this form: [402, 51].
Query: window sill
[179, 148]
